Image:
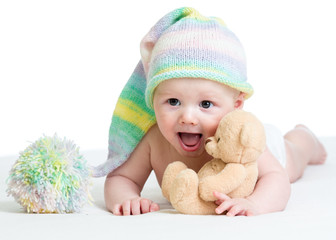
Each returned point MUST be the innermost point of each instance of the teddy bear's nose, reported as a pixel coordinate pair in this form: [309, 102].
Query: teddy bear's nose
[208, 140]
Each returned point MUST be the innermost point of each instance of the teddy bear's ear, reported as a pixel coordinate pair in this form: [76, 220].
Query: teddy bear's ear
[247, 134]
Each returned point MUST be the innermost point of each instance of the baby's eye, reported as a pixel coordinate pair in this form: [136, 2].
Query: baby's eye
[206, 104]
[174, 102]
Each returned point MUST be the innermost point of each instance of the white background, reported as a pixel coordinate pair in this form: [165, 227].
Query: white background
[64, 63]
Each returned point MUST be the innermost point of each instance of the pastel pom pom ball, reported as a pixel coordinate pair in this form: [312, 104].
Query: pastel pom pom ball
[50, 176]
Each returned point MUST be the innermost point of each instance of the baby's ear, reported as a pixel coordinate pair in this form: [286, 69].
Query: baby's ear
[240, 100]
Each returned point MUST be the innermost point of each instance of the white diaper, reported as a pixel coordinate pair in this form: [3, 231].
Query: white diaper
[275, 143]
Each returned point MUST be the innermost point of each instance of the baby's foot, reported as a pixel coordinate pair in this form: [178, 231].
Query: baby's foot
[320, 153]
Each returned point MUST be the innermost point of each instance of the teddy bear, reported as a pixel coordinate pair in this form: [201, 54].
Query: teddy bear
[238, 142]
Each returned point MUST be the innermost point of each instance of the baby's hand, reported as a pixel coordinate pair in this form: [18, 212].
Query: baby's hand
[135, 206]
[234, 206]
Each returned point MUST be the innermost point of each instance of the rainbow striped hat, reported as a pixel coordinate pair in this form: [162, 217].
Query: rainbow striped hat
[186, 44]
[182, 44]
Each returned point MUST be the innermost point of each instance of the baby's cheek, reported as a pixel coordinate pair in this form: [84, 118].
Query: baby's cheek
[212, 127]
[212, 124]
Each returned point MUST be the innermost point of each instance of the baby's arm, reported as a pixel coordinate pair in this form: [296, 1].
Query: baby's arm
[271, 193]
[123, 185]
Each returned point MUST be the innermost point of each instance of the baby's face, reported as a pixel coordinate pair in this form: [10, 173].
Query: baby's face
[188, 111]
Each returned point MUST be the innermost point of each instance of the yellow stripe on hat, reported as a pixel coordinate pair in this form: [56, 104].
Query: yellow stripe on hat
[189, 68]
[130, 112]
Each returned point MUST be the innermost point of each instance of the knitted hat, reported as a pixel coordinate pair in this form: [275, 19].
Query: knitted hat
[182, 44]
[187, 44]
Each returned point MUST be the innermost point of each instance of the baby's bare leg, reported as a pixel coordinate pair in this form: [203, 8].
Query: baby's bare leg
[302, 148]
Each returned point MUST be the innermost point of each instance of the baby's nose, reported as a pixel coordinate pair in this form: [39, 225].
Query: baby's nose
[189, 117]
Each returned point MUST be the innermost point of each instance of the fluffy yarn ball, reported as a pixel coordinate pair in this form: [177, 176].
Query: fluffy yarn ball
[50, 176]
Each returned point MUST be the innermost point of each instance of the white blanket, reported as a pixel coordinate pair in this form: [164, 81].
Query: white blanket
[310, 213]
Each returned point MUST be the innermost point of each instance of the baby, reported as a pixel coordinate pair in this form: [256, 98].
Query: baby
[192, 73]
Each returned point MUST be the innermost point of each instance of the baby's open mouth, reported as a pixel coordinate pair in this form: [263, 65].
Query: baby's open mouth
[190, 141]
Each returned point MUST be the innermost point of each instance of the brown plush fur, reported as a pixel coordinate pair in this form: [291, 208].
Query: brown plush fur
[236, 146]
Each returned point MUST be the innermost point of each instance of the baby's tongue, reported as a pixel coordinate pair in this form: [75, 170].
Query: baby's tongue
[190, 139]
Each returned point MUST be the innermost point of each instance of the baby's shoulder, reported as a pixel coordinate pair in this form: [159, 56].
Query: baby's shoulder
[156, 141]
[153, 136]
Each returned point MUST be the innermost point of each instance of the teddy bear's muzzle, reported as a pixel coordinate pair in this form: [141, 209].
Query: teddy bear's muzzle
[208, 140]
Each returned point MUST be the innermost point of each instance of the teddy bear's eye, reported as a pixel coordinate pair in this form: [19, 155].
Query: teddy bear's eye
[218, 139]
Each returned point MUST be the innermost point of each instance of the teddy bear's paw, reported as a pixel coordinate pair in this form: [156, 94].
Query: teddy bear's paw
[172, 170]
[207, 186]
[184, 187]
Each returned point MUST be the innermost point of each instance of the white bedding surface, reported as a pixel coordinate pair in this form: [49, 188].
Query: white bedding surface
[310, 213]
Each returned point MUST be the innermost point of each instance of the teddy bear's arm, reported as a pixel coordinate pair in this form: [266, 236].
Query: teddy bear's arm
[231, 177]
[211, 168]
